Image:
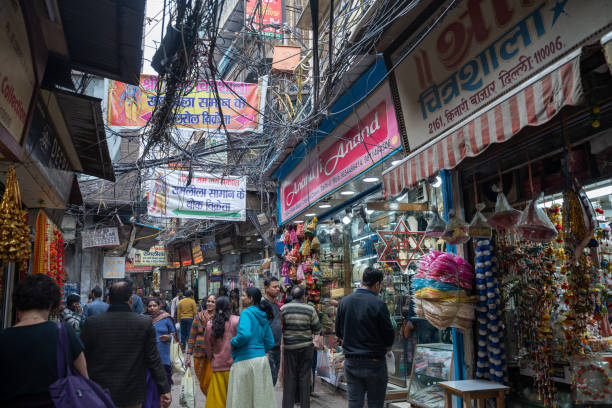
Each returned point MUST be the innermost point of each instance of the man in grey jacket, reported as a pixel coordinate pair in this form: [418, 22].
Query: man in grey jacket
[120, 346]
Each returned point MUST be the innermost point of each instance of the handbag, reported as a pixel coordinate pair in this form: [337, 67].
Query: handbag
[176, 356]
[75, 391]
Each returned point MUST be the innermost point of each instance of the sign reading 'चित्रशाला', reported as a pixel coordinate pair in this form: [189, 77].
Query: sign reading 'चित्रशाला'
[338, 158]
[480, 50]
[208, 196]
[237, 105]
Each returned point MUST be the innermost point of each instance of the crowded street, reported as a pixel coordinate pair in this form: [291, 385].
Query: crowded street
[305, 203]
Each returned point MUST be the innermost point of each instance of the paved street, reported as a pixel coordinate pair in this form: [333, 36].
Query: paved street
[327, 396]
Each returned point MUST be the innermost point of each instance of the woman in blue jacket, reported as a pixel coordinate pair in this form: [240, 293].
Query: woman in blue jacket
[250, 381]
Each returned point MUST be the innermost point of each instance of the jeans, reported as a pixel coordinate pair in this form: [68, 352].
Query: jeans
[366, 376]
[297, 372]
[274, 357]
[185, 329]
[314, 370]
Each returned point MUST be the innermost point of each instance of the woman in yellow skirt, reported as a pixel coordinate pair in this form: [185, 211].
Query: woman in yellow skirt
[196, 347]
[219, 332]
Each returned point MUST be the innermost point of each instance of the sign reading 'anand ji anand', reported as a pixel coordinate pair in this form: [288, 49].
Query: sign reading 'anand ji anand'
[338, 158]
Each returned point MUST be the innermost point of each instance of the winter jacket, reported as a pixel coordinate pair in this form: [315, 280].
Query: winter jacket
[254, 335]
[72, 318]
[120, 346]
[219, 351]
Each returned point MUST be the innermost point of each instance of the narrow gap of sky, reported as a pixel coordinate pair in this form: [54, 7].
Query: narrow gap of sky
[153, 32]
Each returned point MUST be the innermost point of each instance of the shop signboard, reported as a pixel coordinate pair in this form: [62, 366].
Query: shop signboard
[262, 15]
[145, 261]
[196, 253]
[185, 255]
[17, 80]
[206, 197]
[114, 267]
[342, 155]
[238, 103]
[101, 237]
[482, 49]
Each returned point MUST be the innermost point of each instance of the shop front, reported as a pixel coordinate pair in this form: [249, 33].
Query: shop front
[336, 223]
[518, 123]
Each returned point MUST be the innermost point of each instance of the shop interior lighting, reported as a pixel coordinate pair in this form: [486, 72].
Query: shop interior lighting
[394, 162]
[347, 218]
[365, 259]
[299, 222]
[369, 212]
[370, 179]
[347, 192]
[310, 214]
[259, 240]
[324, 206]
[437, 182]
[400, 198]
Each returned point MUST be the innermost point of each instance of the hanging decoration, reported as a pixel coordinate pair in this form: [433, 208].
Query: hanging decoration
[491, 360]
[14, 231]
[401, 245]
[505, 217]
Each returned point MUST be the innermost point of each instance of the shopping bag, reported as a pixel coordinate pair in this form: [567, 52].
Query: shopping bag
[176, 356]
[187, 396]
[390, 357]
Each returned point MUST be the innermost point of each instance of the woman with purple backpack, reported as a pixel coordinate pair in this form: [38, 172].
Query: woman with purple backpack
[28, 355]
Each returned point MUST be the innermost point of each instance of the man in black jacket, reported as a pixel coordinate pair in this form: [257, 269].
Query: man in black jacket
[364, 325]
[119, 348]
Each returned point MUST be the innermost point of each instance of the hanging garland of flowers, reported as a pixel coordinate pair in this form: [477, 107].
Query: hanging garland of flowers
[57, 267]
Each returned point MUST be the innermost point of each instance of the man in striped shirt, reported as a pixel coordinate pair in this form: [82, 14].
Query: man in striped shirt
[300, 322]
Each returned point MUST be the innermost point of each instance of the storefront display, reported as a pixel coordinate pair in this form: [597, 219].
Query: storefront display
[48, 257]
[14, 231]
[432, 364]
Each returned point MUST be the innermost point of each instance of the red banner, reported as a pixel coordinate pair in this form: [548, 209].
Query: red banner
[262, 14]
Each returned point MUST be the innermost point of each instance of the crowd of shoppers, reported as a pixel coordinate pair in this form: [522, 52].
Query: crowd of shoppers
[236, 358]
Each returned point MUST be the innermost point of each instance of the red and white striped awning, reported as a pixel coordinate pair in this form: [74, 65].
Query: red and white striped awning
[534, 103]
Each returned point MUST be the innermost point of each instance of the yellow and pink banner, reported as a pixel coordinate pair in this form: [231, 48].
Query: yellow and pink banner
[199, 109]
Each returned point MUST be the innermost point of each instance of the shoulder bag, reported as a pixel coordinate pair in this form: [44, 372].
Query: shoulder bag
[74, 391]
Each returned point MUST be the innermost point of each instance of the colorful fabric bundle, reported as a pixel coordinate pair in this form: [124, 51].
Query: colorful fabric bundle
[491, 360]
[447, 268]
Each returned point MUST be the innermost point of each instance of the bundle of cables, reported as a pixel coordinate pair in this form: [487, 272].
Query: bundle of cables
[441, 289]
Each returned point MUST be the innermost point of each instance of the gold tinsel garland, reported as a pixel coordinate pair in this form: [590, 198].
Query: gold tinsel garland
[14, 231]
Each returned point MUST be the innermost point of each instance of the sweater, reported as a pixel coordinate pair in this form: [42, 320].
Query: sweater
[186, 309]
[300, 322]
[120, 347]
[219, 350]
[195, 342]
[364, 325]
[253, 335]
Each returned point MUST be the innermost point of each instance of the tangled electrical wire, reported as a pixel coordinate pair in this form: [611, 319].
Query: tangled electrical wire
[290, 113]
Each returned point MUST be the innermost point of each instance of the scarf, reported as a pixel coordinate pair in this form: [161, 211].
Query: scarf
[205, 317]
[159, 315]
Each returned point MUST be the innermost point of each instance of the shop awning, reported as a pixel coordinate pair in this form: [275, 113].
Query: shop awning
[83, 116]
[536, 102]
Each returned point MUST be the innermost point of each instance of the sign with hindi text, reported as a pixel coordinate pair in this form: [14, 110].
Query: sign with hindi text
[238, 104]
[114, 267]
[480, 50]
[208, 196]
[265, 17]
[101, 237]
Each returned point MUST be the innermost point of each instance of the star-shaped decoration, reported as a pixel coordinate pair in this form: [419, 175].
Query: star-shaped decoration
[401, 245]
[558, 9]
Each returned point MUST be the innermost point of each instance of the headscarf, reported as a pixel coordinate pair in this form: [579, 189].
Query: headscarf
[159, 315]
